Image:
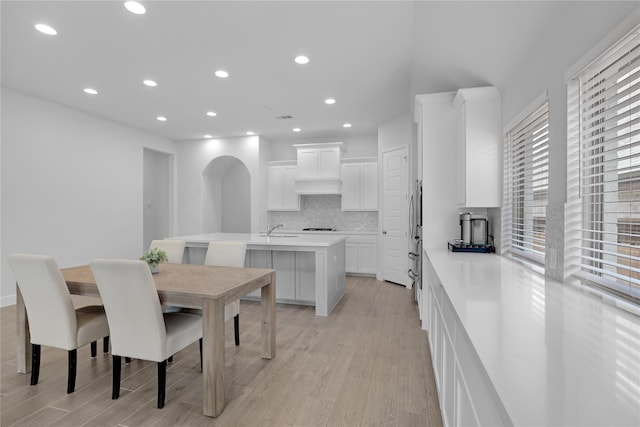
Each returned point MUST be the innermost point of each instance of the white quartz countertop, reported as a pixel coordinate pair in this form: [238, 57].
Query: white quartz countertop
[343, 232]
[259, 239]
[555, 355]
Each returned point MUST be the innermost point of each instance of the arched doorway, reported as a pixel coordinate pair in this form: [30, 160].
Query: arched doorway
[226, 196]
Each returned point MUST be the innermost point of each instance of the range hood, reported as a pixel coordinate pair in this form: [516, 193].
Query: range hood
[319, 186]
[318, 168]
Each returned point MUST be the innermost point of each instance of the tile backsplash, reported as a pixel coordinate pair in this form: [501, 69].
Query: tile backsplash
[324, 211]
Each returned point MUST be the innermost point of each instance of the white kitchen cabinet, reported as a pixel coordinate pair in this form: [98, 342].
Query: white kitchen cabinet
[284, 263]
[281, 194]
[258, 259]
[305, 277]
[479, 147]
[351, 257]
[466, 396]
[360, 255]
[359, 186]
[318, 160]
[318, 168]
[295, 273]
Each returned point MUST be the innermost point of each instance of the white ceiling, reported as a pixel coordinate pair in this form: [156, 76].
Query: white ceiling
[368, 55]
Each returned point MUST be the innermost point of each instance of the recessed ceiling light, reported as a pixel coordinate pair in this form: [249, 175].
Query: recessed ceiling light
[301, 60]
[208, 136]
[346, 125]
[211, 113]
[43, 28]
[329, 101]
[297, 129]
[161, 119]
[90, 91]
[222, 74]
[250, 133]
[135, 7]
[150, 83]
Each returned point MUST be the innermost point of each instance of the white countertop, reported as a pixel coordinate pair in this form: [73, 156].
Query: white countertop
[342, 232]
[302, 240]
[555, 355]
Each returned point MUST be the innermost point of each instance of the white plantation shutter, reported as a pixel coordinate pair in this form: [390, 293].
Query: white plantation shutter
[526, 184]
[603, 171]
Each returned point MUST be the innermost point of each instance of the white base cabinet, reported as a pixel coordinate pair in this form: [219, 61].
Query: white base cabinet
[466, 395]
[360, 255]
[295, 274]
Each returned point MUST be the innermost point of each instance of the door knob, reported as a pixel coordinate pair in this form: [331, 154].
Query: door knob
[384, 232]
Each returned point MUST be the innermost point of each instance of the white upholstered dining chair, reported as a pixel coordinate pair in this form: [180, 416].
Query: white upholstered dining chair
[173, 248]
[175, 253]
[228, 254]
[53, 321]
[138, 327]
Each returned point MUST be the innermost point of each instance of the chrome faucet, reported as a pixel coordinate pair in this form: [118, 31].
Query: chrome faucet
[270, 228]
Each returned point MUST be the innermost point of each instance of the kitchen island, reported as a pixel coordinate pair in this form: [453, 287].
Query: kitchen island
[310, 269]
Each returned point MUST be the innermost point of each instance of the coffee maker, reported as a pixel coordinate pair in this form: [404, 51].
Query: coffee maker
[474, 234]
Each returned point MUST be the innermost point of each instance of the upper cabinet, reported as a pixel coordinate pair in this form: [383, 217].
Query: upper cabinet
[281, 194]
[479, 147]
[360, 185]
[318, 169]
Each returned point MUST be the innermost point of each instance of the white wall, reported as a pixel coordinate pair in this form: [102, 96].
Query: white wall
[236, 200]
[575, 34]
[192, 159]
[583, 25]
[72, 184]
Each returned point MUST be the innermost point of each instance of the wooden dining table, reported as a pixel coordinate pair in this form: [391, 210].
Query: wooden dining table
[191, 285]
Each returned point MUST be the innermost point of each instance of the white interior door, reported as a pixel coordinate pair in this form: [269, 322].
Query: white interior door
[395, 216]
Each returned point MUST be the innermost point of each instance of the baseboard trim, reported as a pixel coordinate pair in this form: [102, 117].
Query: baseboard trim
[8, 300]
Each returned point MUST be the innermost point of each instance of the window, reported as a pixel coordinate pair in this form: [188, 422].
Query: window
[603, 171]
[526, 184]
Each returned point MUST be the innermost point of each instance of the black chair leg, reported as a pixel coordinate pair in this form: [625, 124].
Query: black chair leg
[162, 382]
[200, 341]
[35, 363]
[236, 328]
[105, 344]
[73, 363]
[170, 359]
[94, 348]
[127, 360]
[117, 365]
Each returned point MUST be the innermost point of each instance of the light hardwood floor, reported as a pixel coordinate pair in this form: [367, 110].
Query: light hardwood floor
[368, 363]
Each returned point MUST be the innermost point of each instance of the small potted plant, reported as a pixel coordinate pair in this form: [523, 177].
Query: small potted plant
[154, 257]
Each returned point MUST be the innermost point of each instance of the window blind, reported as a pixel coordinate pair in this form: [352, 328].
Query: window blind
[603, 171]
[526, 185]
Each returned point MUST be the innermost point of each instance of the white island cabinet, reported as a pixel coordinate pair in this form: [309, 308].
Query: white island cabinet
[310, 269]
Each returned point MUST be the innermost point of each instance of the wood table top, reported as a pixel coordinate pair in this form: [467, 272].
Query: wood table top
[203, 281]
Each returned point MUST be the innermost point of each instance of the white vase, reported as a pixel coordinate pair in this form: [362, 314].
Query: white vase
[154, 268]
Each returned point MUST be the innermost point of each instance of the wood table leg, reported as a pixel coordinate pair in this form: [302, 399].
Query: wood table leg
[23, 336]
[268, 308]
[213, 357]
